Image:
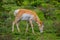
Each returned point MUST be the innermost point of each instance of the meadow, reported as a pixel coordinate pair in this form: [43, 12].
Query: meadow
[51, 24]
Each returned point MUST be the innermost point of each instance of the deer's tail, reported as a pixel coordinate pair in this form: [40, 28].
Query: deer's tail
[16, 11]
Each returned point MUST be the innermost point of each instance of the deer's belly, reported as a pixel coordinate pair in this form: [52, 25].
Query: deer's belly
[26, 17]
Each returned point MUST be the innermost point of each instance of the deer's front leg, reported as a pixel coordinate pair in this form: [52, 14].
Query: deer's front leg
[31, 26]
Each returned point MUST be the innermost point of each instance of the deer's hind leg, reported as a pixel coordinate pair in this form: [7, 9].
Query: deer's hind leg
[15, 22]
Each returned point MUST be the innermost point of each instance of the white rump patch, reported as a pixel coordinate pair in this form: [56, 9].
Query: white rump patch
[16, 11]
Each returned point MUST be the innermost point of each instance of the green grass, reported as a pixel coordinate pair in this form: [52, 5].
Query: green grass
[49, 29]
[30, 36]
[47, 35]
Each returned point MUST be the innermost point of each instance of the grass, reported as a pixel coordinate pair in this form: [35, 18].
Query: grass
[30, 36]
[47, 35]
[49, 30]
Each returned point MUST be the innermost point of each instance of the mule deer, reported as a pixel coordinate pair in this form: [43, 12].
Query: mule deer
[28, 15]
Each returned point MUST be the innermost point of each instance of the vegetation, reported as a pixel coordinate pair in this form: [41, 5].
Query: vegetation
[47, 10]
